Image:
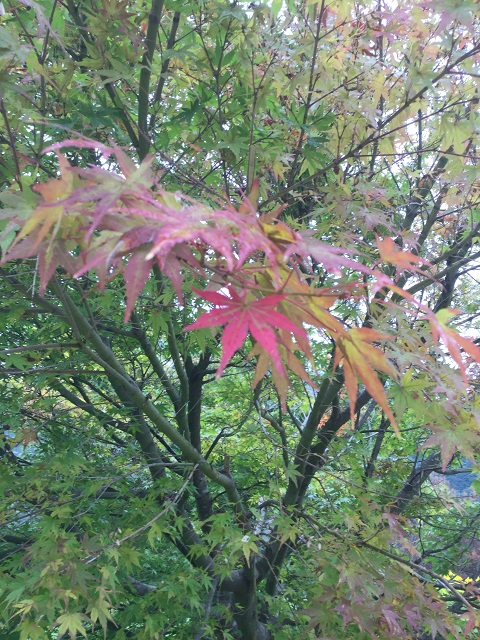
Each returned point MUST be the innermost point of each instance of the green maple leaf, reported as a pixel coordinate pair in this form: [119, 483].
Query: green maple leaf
[460, 432]
[71, 623]
[408, 393]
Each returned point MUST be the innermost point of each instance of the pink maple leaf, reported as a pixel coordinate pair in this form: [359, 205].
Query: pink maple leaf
[332, 258]
[241, 316]
[454, 342]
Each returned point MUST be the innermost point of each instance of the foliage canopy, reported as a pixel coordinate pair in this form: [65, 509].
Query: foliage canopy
[238, 320]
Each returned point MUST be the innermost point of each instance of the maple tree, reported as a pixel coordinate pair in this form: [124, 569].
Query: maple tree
[239, 331]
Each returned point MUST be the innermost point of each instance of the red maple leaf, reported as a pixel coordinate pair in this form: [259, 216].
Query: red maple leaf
[240, 316]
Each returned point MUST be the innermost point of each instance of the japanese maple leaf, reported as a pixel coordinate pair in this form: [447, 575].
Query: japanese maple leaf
[48, 214]
[454, 342]
[135, 276]
[391, 252]
[332, 258]
[459, 431]
[105, 188]
[241, 316]
[360, 360]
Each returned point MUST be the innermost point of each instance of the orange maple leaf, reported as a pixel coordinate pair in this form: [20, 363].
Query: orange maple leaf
[391, 252]
[360, 360]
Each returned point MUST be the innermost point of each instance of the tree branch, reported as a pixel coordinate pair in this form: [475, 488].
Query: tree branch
[163, 71]
[144, 87]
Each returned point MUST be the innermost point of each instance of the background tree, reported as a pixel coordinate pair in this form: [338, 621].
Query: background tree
[289, 186]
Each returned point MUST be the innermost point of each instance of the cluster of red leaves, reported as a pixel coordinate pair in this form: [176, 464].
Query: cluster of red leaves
[94, 219]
